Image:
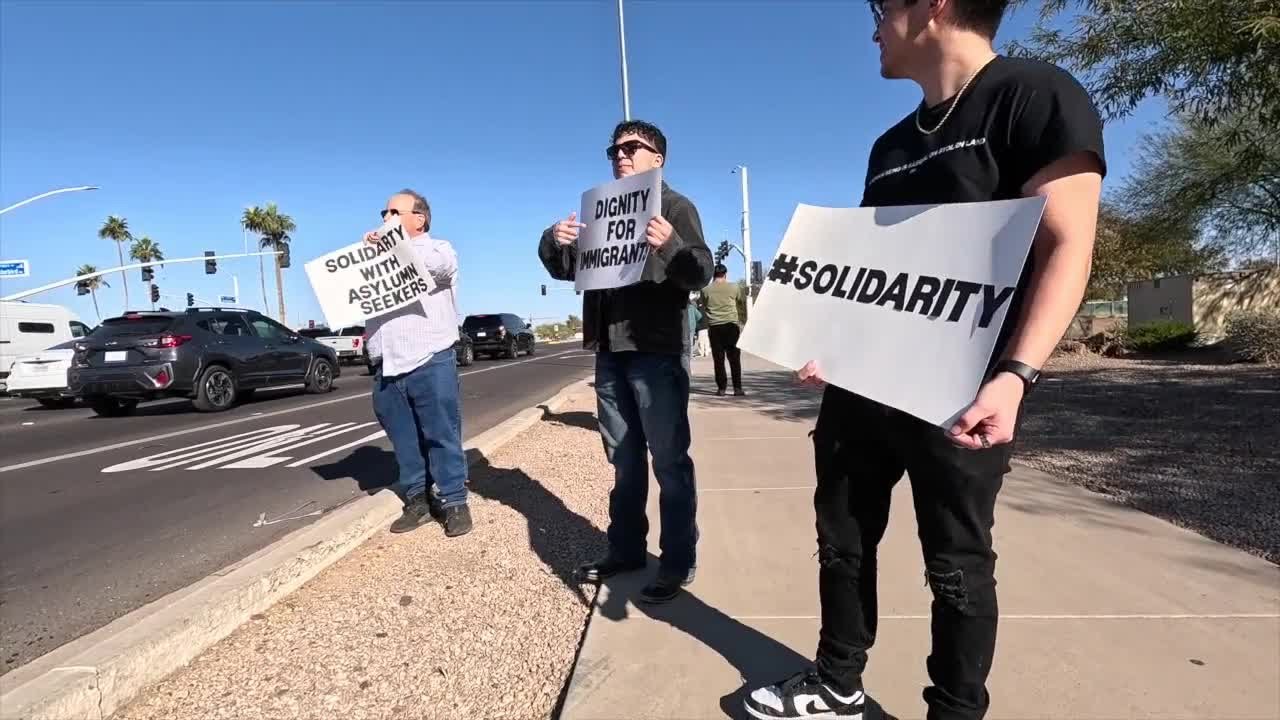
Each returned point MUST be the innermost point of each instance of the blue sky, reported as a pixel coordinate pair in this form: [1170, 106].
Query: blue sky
[187, 112]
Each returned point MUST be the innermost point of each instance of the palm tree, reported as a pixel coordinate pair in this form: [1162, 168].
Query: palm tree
[146, 250]
[92, 285]
[252, 221]
[273, 227]
[116, 229]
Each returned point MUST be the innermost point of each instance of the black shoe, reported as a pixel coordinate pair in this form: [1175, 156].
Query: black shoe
[720, 392]
[417, 512]
[607, 567]
[665, 587]
[457, 520]
[435, 506]
[803, 696]
[739, 392]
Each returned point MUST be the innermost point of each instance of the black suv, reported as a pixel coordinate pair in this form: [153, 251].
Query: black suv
[502, 334]
[214, 356]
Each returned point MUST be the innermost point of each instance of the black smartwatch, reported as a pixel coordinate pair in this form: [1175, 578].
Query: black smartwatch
[1029, 375]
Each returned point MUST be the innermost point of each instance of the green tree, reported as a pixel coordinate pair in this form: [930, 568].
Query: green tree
[116, 229]
[575, 323]
[1208, 58]
[251, 221]
[1140, 248]
[92, 285]
[1191, 175]
[273, 229]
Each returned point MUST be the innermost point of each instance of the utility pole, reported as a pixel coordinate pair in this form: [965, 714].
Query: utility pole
[746, 228]
[622, 50]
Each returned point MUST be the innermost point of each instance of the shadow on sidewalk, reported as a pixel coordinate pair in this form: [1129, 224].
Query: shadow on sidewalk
[772, 393]
[562, 539]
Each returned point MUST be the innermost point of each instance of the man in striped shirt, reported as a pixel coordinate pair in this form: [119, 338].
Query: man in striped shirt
[416, 386]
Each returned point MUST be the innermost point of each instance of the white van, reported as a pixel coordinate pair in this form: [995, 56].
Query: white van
[28, 328]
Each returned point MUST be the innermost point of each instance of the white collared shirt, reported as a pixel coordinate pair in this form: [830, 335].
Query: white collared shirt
[407, 338]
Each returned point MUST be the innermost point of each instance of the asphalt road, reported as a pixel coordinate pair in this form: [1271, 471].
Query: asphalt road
[99, 517]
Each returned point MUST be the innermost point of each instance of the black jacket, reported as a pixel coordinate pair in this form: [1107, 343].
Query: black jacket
[648, 316]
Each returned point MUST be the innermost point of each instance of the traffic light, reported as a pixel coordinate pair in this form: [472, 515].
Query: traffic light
[757, 272]
[283, 257]
[155, 293]
[210, 266]
[81, 288]
[722, 252]
[544, 289]
[191, 300]
[148, 274]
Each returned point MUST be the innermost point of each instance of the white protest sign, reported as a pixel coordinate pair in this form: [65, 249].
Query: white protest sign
[366, 280]
[902, 305]
[612, 248]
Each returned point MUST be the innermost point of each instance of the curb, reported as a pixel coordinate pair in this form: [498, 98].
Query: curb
[93, 676]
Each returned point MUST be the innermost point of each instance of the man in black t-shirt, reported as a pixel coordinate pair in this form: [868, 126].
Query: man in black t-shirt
[989, 128]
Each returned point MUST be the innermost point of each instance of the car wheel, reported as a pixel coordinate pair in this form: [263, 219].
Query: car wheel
[216, 390]
[321, 380]
[512, 350]
[531, 348]
[466, 355]
[57, 403]
[111, 407]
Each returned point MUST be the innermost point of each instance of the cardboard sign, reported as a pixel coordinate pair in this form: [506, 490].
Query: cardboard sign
[901, 305]
[612, 249]
[366, 280]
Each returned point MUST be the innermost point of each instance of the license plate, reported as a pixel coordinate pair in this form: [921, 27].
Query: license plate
[38, 369]
[480, 334]
[115, 355]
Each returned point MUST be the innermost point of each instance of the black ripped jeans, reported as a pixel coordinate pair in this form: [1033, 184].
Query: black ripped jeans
[861, 449]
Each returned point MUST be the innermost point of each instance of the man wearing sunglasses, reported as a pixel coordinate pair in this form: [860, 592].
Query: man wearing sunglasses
[989, 128]
[415, 388]
[638, 334]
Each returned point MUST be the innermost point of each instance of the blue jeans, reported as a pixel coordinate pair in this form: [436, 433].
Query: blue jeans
[643, 405]
[419, 410]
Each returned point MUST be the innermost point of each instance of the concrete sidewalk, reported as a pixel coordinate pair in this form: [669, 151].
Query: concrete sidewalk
[1106, 612]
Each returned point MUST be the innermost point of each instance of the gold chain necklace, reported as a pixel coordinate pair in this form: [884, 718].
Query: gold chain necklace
[954, 102]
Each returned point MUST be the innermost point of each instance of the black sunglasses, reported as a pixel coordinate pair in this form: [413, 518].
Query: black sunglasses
[627, 149]
[395, 212]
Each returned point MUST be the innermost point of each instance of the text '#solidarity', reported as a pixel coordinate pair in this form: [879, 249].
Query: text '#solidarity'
[620, 229]
[388, 283]
[923, 294]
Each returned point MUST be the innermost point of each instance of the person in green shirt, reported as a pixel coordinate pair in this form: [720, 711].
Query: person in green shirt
[724, 304]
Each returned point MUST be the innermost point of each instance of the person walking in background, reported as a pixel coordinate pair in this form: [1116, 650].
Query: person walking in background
[638, 333]
[988, 128]
[724, 304]
[694, 318]
[416, 386]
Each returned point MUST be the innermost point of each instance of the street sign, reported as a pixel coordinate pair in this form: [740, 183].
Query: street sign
[227, 299]
[15, 268]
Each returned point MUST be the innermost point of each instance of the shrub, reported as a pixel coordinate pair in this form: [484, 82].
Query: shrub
[1254, 335]
[1160, 336]
[1107, 343]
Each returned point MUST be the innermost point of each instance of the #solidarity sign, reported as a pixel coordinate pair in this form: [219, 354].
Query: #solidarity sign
[612, 249]
[902, 305]
[366, 280]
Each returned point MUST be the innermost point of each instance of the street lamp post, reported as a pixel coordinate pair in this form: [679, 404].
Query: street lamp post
[47, 194]
[746, 228]
[622, 50]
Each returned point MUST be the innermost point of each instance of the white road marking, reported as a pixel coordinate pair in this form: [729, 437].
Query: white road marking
[228, 423]
[362, 441]
[25, 424]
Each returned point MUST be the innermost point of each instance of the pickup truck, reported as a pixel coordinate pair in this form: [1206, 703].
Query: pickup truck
[348, 342]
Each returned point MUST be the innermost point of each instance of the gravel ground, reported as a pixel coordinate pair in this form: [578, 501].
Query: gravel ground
[418, 625]
[1191, 439]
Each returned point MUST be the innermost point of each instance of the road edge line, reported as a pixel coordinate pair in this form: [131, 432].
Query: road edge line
[95, 675]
